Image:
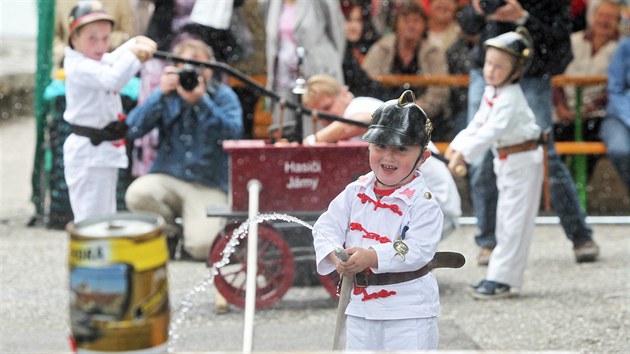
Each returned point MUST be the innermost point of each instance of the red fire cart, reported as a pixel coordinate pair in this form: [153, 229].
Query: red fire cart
[296, 180]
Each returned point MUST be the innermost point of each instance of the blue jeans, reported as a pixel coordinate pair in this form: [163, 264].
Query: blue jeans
[564, 197]
[616, 136]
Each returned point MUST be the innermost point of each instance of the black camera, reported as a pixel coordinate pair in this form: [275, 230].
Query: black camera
[490, 6]
[189, 77]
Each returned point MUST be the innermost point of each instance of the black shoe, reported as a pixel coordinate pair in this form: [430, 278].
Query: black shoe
[488, 290]
[586, 252]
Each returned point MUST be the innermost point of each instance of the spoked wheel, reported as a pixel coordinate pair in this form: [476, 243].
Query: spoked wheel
[329, 282]
[276, 268]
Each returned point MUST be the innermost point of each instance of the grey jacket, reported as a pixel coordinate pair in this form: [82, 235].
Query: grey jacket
[320, 29]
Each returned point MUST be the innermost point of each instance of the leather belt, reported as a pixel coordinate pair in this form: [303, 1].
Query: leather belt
[113, 131]
[363, 279]
[524, 146]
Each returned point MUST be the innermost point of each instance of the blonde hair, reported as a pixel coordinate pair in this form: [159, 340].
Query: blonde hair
[195, 45]
[320, 85]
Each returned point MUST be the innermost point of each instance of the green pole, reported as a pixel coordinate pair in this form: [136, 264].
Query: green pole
[45, 36]
[580, 160]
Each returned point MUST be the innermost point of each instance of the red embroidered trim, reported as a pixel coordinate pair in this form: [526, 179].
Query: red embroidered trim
[367, 234]
[376, 295]
[490, 102]
[377, 203]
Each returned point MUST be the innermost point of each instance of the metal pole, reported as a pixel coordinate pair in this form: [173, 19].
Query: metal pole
[45, 35]
[253, 187]
[298, 91]
[580, 160]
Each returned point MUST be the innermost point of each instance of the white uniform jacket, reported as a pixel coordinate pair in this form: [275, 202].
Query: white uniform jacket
[93, 100]
[356, 218]
[503, 119]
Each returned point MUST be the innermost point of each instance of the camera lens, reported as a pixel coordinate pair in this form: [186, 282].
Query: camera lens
[188, 77]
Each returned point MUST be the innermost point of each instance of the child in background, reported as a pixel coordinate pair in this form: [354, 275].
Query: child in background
[506, 124]
[95, 151]
[390, 225]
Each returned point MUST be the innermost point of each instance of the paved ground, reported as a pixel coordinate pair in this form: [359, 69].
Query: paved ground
[563, 306]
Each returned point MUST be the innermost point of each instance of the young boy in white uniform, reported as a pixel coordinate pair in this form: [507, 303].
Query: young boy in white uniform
[506, 124]
[94, 151]
[390, 225]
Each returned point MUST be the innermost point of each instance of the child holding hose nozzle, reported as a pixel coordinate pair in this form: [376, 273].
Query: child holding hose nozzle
[505, 123]
[390, 225]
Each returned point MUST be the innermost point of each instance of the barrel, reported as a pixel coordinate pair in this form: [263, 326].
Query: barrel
[118, 284]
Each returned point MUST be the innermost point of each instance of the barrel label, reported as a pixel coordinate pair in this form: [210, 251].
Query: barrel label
[97, 252]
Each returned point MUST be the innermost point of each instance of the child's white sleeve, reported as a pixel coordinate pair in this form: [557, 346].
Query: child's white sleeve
[330, 231]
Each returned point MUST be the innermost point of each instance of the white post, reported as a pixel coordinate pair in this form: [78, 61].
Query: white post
[253, 187]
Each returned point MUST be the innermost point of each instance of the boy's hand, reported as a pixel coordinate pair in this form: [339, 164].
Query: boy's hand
[143, 48]
[456, 163]
[448, 154]
[360, 258]
[169, 80]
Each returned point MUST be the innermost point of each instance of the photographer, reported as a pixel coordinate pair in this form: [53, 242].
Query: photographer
[549, 23]
[194, 113]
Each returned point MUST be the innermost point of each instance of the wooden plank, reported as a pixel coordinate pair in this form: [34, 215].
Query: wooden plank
[460, 80]
[580, 148]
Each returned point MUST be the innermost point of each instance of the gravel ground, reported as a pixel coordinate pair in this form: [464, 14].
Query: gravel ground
[563, 306]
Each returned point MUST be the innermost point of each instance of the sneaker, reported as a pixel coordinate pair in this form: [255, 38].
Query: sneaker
[586, 252]
[477, 285]
[489, 290]
[484, 256]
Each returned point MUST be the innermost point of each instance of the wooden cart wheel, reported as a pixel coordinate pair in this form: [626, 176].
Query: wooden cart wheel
[276, 267]
[330, 282]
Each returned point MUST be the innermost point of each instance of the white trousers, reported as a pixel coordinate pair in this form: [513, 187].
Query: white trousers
[391, 335]
[517, 207]
[172, 198]
[92, 190]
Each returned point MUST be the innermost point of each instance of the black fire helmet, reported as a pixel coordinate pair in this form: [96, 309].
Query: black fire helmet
[399, 122]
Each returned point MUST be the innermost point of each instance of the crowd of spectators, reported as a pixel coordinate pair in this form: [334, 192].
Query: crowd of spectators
[592, 49]
[382, 37]
[359, 41]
